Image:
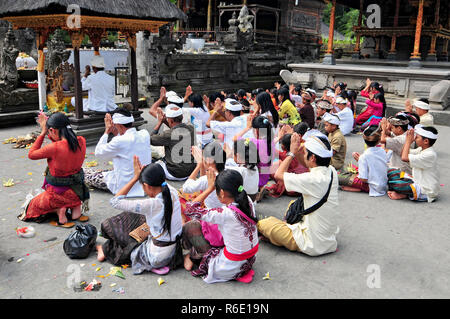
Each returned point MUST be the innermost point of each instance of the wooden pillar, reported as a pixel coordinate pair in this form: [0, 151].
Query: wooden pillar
[356, 51]
[131, 38]
[415, 56]
[331, 31]
[329, 57]
[209, 27]
[77, 38]
[392, 51]
[432, 52]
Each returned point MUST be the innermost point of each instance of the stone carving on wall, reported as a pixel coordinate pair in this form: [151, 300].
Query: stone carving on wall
[57, 53]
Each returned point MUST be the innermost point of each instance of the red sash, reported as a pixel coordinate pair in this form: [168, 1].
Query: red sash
[241, 257]
[248, 254]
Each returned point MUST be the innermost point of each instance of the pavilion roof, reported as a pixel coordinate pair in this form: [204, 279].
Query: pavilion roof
[131, 9]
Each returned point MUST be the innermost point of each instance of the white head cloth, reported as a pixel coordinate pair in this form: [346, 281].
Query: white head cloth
[316, 146]
[171, 93]
[233, 105]
[424, 133]
[341, 100]
[175, 99]
[332, 119]
[98, 61]
[122, 119]
[422, 105]
[311, 91]
[330, 94]
[173, 111]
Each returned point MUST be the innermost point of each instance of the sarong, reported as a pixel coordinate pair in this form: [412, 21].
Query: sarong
[120, 244]
[351, 179]
[401, 183]
[194, 241]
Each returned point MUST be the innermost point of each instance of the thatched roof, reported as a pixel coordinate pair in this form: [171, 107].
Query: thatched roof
[136, 9]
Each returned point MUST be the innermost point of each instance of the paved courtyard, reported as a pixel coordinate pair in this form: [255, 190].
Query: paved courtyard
[407, 242]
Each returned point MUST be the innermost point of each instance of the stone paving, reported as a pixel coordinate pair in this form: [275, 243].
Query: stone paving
[407, 242]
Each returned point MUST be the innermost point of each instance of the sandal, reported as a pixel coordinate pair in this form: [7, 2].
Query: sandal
[58, 224]
[82, 218]
[161, 271]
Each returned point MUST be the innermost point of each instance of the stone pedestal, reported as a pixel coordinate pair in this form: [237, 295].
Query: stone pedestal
[329, 59]
[414, 63]
[431, 58]
[392, 56]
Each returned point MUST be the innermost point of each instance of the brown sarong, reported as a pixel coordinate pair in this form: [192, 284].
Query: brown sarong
[120, 244]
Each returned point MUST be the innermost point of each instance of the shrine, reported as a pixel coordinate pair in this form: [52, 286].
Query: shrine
[94, 20]
[240, 43]
[407, 52]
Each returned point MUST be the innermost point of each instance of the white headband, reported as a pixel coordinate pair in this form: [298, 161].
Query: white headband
[330, 94]
[122, 119]
[332, 119]
[424, 133]
[422, 105]
[316, 146]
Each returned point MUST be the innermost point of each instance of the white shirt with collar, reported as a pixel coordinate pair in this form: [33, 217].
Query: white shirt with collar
[121, 151]
[425, 172]
[101, 92]
[347, 120]
[316, 234]
[231, 128]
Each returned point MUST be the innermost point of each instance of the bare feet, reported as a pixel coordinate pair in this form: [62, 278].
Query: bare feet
[396, 196]
[188, 264]
[100, 254]
[62, 215]
[350, 189]
[76, 212]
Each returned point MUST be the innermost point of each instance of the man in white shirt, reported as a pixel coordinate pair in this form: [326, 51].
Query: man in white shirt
[423, 110]
[236, 121]
[121, 149]
[423, 185]
[316, 233]
[346, 116]
[100, 87]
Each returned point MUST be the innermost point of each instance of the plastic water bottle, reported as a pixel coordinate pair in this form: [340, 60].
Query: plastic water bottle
[66, 109]
[45, 108]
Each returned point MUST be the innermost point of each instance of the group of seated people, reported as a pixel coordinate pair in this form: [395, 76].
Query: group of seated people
[231, 150]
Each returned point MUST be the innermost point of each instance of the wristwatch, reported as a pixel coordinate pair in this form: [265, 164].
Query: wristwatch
[290, 154]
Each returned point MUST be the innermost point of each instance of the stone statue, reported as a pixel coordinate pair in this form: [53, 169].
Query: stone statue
[240, 33]
[57, 53]
[9, 77]
[245, 21]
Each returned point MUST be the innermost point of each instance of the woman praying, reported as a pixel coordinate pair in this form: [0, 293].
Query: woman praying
[64, 179]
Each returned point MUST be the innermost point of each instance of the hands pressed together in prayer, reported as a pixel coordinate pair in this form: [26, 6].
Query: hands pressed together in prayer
[109, 125]
[42, 121]
[137, 167]
[296, 145]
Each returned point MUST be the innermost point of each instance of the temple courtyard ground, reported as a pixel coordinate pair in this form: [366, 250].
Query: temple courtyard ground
[386, 249]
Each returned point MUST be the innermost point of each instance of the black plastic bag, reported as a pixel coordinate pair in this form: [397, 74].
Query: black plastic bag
[80, 243]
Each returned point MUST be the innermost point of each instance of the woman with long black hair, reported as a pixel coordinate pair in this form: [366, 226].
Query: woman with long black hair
[199, 116]
[236, 220]
[162, 214]
[267, 109]
[64, 178]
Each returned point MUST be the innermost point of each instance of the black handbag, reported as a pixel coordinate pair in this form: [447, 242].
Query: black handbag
[296, 209]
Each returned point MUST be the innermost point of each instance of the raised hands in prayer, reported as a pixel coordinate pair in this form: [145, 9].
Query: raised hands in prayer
[189, 91]
[410, 135]
[137, 167]
[356, 156]
[42, 121]
[197, 154]
[218, 105]
[408, 106]
[161, 115]
[296, 145]
[109, 125]
[87, 71]
[162, 93]
[211, 175]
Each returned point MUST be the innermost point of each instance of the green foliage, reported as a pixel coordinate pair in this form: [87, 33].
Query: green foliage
[346, 19]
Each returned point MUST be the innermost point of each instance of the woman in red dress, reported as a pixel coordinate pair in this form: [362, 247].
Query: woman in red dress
[64, 179]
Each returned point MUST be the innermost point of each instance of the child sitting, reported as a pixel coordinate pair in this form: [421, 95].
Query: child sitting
[244, 159]
[423, 185]
[372, 167]
[337, 140]
[213, 158]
